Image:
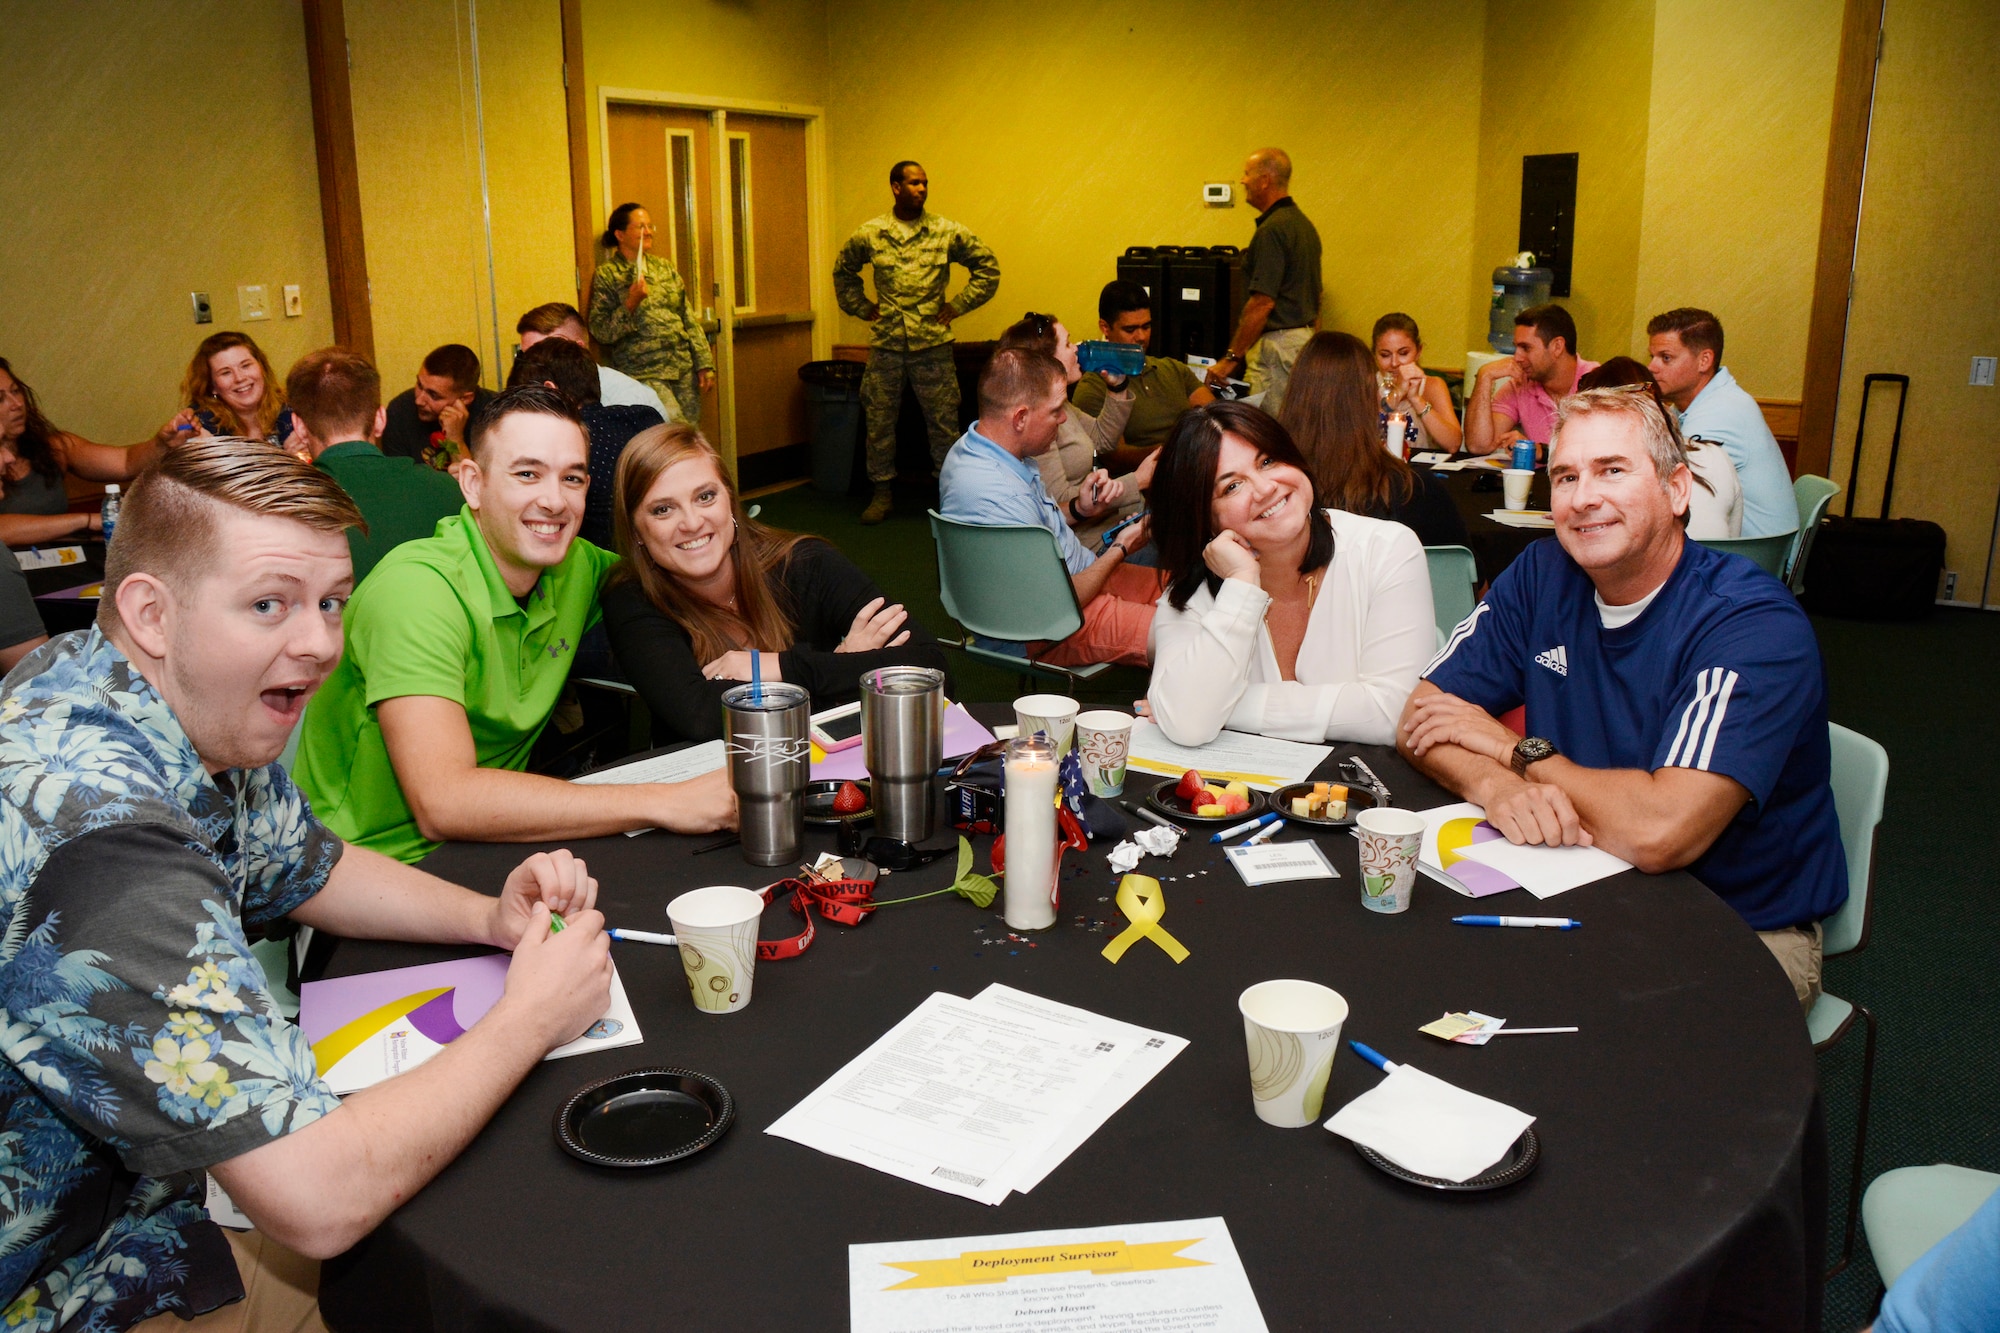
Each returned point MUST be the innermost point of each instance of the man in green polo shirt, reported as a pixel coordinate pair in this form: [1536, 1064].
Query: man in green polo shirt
[336, 395]
[457, 648]
[1164, 390]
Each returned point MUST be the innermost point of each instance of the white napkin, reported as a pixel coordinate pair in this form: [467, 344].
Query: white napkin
[1425, 1125]
[1159, 841]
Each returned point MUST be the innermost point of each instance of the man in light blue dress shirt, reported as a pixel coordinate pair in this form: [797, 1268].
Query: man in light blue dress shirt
[1684, 351]
[989, 479]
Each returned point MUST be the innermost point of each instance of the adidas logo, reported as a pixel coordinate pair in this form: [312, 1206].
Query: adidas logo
[1555, 660]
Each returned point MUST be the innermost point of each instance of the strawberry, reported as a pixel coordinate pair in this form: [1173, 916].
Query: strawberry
[850, 799]
[1191, 786]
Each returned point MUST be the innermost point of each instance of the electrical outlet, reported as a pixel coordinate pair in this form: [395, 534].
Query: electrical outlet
[203, 314]
[1982, 372]
[1950, 585]
[253, 302]
[294, 303]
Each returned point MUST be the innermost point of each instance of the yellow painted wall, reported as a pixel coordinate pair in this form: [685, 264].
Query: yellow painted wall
[1063, 133]
[1926, 297]
[1568, 79]
[417, 150]
[1741, 103]
[141, 160]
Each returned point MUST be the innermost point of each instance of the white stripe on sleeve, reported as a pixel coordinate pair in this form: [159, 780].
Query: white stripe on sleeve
[1715, 722]
[1459, 635]
[1692, 718]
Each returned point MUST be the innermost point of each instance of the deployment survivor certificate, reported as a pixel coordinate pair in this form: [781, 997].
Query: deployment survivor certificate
[1179, 1276]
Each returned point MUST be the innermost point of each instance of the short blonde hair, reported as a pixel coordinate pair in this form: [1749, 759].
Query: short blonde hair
[1664, 444]
[167, 525]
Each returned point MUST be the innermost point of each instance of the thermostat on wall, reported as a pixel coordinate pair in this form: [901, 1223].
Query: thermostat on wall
[1215, 192]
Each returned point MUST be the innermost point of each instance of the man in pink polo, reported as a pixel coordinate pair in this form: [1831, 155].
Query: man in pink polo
[1544, 370]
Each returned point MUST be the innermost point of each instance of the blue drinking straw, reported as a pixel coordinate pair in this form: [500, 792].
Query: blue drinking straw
[756, 676]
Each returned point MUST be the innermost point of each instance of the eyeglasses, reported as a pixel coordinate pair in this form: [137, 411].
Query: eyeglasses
[887, 853]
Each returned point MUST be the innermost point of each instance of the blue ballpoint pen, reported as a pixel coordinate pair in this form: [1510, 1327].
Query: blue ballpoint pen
[1373, 1057]
[1245, 827]
[1546, 922]
[640, 936]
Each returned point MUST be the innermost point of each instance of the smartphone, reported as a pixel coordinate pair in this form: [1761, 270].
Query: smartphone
[1111, 533]
[837, 728]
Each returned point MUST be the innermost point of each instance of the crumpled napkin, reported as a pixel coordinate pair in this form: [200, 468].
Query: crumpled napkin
[1155, 840]
[1426, 1125]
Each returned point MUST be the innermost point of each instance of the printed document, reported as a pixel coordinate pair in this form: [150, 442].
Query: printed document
[1263, 762]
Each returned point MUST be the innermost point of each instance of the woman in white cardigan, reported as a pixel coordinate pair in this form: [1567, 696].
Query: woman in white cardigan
[1281, 618]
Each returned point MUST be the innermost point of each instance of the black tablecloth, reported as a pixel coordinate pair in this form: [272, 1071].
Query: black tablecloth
[62, 614]
[1477, 493]
[1681, 1184]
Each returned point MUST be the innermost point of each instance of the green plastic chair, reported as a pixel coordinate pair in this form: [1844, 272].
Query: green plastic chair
[1768, 553]
[1912, 1208]
[1813, 494]
[1008, 583]
[1860, 780]
[1454, 586]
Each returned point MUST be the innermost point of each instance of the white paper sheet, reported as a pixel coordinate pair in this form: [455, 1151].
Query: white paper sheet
[1147, 1053]
[1490, 864]
[1279, 862]
[1429, 1126]
[1483, 462]
[961, 1097]
[1523, 518]
[677, 766]
[49, 557]
[1547, 871]
[1186, 1277]
[1263, 762]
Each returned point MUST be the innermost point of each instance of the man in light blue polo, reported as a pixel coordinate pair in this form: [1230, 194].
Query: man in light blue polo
[989, 479]
[1684, 350]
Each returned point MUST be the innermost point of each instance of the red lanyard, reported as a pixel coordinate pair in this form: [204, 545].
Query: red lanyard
[845, 902]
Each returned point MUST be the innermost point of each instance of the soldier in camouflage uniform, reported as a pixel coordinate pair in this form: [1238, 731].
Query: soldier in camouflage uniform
[652, 333]
[912, 252]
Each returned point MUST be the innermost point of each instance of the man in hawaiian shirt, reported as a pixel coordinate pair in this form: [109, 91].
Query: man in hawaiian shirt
[143, 827]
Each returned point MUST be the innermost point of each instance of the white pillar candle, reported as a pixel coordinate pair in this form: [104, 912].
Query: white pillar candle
[1392, 436]
[1029, 901]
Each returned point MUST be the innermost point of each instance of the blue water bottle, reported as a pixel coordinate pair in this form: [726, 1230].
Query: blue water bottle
[110, 510]
[1524, 455]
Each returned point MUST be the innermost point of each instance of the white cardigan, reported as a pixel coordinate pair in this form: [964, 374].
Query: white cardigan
[1370, 634]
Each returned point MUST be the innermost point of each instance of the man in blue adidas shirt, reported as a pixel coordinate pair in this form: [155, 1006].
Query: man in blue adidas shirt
[1675, 698]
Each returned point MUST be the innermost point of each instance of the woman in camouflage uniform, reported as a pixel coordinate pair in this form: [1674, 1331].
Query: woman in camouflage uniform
[644, 320]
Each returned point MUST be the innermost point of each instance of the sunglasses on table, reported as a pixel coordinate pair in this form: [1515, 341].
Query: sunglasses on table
[888, 853]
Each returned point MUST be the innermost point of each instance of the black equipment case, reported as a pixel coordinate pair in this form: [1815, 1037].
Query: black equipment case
[1875, 568]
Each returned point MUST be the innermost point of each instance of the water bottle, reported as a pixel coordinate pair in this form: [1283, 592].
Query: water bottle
[110, 510]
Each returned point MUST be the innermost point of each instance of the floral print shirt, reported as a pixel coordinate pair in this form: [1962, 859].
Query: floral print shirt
[139, 1043]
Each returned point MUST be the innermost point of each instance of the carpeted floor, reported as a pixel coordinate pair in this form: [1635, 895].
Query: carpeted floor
[1930, 969]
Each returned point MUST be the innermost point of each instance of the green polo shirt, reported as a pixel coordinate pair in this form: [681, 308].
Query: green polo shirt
[401, 499]
[435, 619]
[1159, 396]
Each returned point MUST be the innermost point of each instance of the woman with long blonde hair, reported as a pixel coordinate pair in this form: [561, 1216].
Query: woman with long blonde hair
[229, 389]
[702, 586]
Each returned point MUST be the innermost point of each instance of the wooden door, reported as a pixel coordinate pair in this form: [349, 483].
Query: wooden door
[770, 289]
[663, 158]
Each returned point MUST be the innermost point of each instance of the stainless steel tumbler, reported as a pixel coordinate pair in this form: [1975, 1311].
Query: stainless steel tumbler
[770, 758]
[902, 728]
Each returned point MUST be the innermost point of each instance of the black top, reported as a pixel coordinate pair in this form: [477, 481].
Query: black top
[407, 435]
[1283, 264]
[822, 590]
[20, 618]
[611, 428]
[1429, 512]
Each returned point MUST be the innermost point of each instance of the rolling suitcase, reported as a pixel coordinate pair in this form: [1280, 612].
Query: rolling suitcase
[1875, 568]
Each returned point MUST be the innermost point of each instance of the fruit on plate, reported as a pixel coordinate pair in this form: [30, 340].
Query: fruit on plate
[1210, 811]
[1190, 786]
[1240, 787]
[850, 799]
[1235, 803]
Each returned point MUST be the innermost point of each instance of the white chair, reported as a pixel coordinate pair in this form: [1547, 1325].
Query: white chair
[1912, 1208]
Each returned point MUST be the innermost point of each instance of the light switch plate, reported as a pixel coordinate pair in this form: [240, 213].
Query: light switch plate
[1982, 372]
[294, 304]
[203, 313]
[253, 302]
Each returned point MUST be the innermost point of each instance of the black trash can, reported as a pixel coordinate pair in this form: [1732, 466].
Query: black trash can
[833, 411]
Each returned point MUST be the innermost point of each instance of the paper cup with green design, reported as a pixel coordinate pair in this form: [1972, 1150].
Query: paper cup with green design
[1293, 1028]
[1052, 714]
[1390, 841]
[1104, 743]
[717, 930]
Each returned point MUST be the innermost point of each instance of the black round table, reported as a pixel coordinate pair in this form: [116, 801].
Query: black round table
[62, 614]
[1681, 1183]
[1476, 493]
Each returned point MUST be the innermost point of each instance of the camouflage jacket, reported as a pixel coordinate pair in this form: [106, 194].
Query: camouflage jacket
[662, 340]
[912, 267]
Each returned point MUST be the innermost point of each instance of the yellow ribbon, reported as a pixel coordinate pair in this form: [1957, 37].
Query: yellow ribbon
[1143, 902]
[984, 1267]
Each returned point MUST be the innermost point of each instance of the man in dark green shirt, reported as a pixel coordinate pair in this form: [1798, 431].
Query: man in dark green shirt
[1281, 274]
[1161, 392]
[337, 397]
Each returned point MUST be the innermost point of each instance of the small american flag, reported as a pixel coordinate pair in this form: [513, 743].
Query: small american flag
[1069, 775]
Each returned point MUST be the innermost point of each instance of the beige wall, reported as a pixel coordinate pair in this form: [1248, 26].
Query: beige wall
[1062, 134]
[1926, 298]
[142, 161]
[417, 150]
[1741, 103]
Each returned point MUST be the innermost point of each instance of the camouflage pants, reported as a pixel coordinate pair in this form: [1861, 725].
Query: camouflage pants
[680, 393]
[933, 377]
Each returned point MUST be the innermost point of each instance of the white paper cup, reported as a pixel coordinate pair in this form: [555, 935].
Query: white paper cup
[1104, 743]
[1390, 841]
[1051, 713]
[717, 930]
[1293, 1029]
[1516, 483]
